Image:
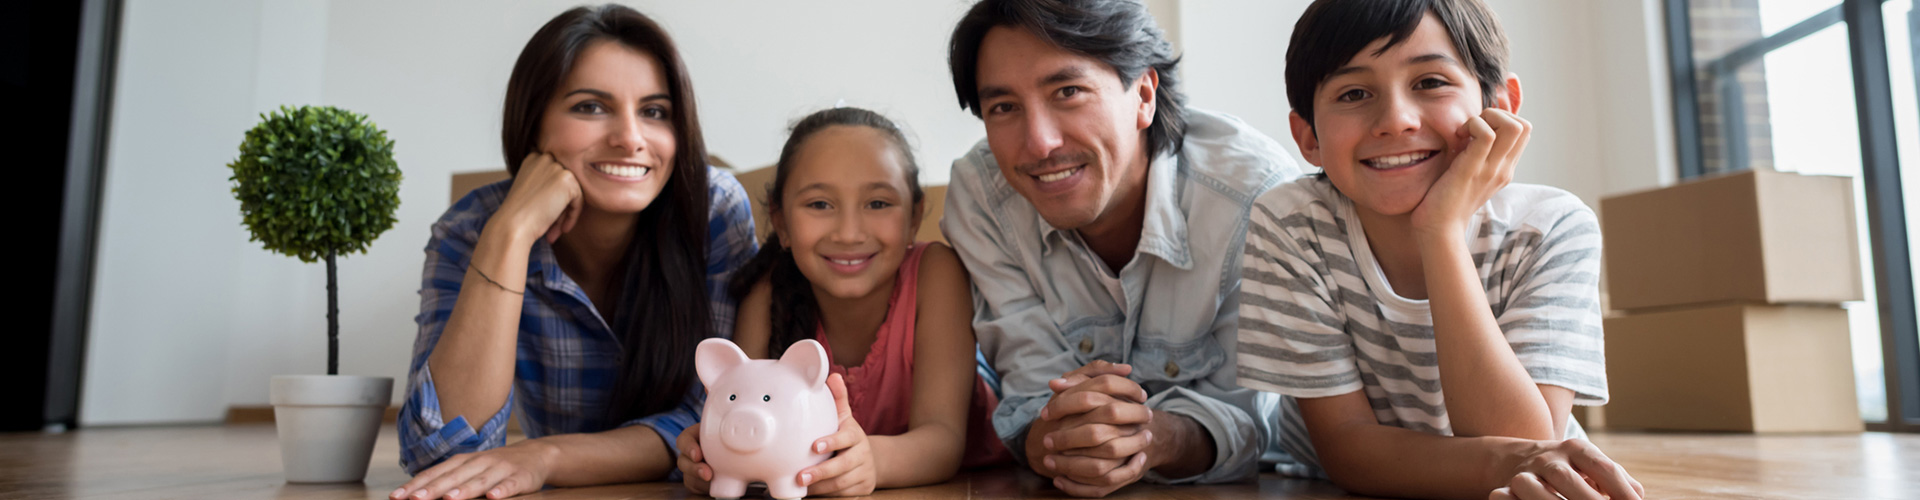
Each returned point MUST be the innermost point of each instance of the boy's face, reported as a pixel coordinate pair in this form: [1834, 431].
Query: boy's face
[1386, 126]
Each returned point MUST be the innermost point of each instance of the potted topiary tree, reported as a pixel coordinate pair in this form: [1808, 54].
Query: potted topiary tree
[315, 182]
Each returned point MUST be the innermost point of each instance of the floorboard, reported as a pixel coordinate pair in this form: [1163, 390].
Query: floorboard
[243, 462]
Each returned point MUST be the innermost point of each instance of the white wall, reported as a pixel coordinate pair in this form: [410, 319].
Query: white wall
[186, 311]
[158, 328]
[1235, 60]
[190, 318]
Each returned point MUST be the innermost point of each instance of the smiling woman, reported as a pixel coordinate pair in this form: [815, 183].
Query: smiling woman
[568, 291]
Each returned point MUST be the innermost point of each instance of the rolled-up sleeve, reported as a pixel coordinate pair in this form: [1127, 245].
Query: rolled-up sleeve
[425, 438]
[1238, 440]
[669, 424]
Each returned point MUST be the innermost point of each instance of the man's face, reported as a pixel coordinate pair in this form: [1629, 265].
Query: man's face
[1068, 134]
[1387, 125]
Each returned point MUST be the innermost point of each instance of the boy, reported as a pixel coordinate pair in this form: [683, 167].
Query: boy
[1411, 262]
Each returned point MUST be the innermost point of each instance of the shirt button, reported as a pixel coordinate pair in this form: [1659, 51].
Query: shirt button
[1173, 370]
[1086, 345]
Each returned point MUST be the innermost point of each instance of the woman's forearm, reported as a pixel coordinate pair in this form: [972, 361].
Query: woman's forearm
[625, 455]
[1488, 391]
[472, 361]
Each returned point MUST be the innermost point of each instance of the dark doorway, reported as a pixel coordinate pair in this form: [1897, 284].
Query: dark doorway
[56, 64]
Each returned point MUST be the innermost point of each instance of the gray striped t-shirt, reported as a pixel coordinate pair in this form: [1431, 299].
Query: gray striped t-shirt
[1318, 317]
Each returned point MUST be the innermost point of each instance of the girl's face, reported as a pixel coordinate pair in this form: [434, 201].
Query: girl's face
[611, 124]
[848, 215]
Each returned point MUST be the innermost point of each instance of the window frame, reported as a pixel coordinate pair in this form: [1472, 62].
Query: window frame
[1879, 152]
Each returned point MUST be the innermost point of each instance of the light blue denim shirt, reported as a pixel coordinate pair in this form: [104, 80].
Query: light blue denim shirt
[1041, 308]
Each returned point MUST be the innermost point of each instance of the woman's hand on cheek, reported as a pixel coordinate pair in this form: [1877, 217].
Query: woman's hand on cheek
[1494, 141]
[496, 473]
[545, 200]
[851, 471]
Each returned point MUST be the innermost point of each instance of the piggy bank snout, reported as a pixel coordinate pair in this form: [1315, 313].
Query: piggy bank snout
[747, 429]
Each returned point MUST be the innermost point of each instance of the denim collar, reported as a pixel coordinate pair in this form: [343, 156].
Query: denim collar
[1163, 232]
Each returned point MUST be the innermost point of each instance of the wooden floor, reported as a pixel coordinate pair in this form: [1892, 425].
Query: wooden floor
[243, 461]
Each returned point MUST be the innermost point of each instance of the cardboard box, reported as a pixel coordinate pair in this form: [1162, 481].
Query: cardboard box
[1758, 368]
[756, 181]
[1591, 418]
[1756, 236]
[464, 182]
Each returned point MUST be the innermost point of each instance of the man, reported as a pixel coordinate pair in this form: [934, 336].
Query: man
[1102, 223]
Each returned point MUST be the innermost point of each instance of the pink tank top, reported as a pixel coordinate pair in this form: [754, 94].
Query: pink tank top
[880, 390]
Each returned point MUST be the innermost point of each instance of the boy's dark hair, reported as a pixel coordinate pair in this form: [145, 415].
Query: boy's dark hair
[795, 314]
[1332, 32]
[1120, 33]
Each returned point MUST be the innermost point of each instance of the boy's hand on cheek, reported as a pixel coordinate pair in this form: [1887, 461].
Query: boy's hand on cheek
[1495, 140]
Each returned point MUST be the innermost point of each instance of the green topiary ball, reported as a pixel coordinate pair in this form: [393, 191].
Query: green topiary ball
[316, 179]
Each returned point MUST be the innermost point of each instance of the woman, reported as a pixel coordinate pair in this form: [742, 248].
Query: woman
[569, 290]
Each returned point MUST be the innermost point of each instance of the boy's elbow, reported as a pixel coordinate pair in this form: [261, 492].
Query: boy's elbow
[1351, 456]
[1537, 431]
[1347, 472]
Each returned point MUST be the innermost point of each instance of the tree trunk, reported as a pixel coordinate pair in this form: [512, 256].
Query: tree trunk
[333, 318]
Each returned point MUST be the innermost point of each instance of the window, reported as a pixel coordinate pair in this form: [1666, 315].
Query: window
[1820, 87]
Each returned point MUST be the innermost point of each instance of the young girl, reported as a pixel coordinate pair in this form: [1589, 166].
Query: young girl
[841, 267]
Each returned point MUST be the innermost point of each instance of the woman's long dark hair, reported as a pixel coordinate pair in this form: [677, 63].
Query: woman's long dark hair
[795, 314]
[661, 312]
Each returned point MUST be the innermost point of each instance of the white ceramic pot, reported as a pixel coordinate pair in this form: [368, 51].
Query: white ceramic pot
[328, 424]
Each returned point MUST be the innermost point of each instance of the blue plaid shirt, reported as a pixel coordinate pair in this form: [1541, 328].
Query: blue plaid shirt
[566, 357]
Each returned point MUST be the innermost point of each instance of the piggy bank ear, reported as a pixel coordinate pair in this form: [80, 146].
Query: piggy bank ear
[810, 358]
[714, 357]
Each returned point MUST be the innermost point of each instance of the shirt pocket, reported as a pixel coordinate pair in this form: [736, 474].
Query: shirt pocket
[1177, 363]
[1094, 337]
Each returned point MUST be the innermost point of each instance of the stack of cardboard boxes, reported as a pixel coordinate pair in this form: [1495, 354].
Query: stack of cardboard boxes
[1726, 294]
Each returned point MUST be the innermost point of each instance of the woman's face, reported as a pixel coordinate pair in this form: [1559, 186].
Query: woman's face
[611, 124]
[847, 216]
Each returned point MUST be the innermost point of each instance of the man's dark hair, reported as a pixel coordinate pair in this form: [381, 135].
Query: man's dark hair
[1119, 33]
[1332, 32]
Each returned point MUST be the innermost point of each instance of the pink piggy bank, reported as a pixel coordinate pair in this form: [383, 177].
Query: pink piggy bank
[762, 416]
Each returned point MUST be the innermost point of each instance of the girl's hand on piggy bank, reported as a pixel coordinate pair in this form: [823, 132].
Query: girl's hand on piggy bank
[693, 465]
[851, 471]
